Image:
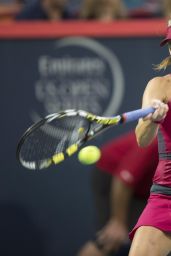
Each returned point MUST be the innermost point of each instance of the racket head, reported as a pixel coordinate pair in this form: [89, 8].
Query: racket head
[53, 139]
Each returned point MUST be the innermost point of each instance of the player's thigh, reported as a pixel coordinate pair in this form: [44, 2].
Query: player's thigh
[150, 241]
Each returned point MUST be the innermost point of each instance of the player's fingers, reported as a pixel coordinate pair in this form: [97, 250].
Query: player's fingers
[156, 103]
[148, 117]
[160, 112]
[159, 105]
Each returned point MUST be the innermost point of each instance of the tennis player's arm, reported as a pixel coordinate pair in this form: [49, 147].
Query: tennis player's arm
[147, 129]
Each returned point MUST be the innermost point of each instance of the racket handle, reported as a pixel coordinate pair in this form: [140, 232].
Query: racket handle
[136, 114]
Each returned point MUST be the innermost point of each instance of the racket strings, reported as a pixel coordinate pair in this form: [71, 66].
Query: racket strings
[52, 138]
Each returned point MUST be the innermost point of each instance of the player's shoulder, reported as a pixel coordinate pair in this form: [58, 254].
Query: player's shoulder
[159, 81]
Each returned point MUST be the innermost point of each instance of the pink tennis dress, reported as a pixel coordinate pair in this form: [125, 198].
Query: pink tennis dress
[157, 212]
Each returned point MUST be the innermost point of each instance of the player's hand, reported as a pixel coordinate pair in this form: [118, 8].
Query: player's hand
[113, 235]
[160, 113]
[90, 249]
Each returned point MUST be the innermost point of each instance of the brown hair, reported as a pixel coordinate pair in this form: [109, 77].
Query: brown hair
[164, 63]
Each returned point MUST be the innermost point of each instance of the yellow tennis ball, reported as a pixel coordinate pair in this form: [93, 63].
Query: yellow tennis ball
[89, 155]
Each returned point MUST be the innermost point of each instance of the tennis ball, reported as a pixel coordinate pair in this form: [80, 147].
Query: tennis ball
[89, 155]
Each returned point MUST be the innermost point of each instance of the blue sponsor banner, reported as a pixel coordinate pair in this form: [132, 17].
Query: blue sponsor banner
[103, 75]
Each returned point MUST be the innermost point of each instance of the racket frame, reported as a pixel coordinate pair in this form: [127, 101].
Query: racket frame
[103, 124]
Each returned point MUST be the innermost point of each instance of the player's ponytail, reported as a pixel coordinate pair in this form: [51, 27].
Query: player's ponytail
[164, 64]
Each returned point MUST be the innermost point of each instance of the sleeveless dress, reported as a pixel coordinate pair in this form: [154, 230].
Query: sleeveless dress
[157, 212]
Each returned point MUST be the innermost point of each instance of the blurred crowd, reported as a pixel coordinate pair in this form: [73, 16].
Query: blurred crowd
[102, 10]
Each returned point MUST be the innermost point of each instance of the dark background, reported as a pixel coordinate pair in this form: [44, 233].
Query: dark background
[51, 212]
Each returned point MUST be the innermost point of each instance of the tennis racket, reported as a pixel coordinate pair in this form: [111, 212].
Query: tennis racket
[60, 135]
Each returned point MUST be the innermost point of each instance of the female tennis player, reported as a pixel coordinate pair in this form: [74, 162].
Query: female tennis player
[152, 233]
